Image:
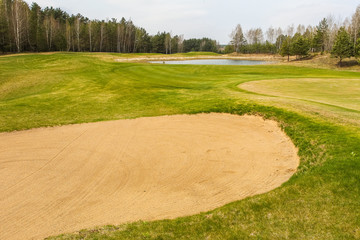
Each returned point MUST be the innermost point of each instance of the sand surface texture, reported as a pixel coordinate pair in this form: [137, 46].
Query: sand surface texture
[63, 179]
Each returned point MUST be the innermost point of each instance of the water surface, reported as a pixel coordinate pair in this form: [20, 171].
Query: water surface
[215, 62]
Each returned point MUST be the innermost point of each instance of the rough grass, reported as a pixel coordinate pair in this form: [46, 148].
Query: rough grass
[321, 201]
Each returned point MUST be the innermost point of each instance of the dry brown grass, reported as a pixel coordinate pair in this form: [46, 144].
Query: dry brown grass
[325, 61]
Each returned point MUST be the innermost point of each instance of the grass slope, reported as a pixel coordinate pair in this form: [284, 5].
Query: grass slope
[320, 202]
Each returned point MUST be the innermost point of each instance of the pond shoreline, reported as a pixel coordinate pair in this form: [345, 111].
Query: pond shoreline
[214, 61]
[181, 58]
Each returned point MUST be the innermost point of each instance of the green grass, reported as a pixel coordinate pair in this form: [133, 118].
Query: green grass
[333, 98]
[342, 93]
[321, 201]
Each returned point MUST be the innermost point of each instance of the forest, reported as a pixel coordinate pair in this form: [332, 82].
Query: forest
[340, 38]
[25, 28]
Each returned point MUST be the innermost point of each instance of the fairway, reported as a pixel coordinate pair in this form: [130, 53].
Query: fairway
[66, 178]
[344, 93]
[82, 133]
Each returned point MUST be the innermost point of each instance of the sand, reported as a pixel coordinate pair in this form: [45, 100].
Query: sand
[63, 179]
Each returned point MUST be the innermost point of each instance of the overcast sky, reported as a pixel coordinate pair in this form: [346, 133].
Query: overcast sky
[208, 18]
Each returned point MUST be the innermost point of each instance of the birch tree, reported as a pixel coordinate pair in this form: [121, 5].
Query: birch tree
[68, 35]
[77, 32]
[333, 28]
[355, 25]
[255, 35]
[50, 24]
[237, 37]
[290, 30]
[180, 44]
[118, 40]
[90, 35]
[270, 34]
[102, 33]
[168, 43]
[300, 29]
[18, 21]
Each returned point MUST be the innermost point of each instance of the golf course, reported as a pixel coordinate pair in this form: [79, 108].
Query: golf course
[110, 146]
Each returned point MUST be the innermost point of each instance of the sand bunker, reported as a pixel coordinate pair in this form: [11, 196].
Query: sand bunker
[63, 179]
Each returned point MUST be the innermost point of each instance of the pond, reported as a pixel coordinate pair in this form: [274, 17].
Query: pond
[215, 62]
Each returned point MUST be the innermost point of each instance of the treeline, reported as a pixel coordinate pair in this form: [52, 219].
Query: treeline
[25, 28]
[339, 38]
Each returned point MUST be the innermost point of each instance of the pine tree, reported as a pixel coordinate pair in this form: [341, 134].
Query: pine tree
[322, 34]
[357, 48]
[343, 47]
[300, 46]
[4, 29]
[34, 25]
[286, 49]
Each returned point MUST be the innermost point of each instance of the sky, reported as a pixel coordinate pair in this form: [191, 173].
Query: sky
[208, 18]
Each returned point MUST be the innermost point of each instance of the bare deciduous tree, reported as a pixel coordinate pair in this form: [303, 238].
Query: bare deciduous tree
[355, 24]
[180, 43]
[18, 22]
[50, 28]
[255, 36]
[90, 34]
[168, 43]
[68, 35]
[333, 28]
[118, 40]
[271, 34]
[237, 37]
[279, 32]
[102, 33]
[300, 29]
[290, 30]
[77, 32]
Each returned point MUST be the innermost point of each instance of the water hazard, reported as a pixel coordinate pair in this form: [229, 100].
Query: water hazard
[215, 62]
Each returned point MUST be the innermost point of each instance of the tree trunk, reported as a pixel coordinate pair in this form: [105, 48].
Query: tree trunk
[17, 24]
[118, 39]
[67, 34]
[90, 36]
[78, 33]
[101, 36]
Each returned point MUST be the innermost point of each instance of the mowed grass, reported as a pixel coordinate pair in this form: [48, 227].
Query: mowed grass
[67, 88]
[343, 93]
[334, 98]
[321, 201]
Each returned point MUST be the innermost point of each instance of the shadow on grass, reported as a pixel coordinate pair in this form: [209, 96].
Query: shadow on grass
[349, 63]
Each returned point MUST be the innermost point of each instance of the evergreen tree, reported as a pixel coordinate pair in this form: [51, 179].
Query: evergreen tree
[286, 48]
[343, 47]
[300, 46]
[229, 49]
[357, 48]
[158, 43]
[322, 34]
[34, 23]
[4, 29]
